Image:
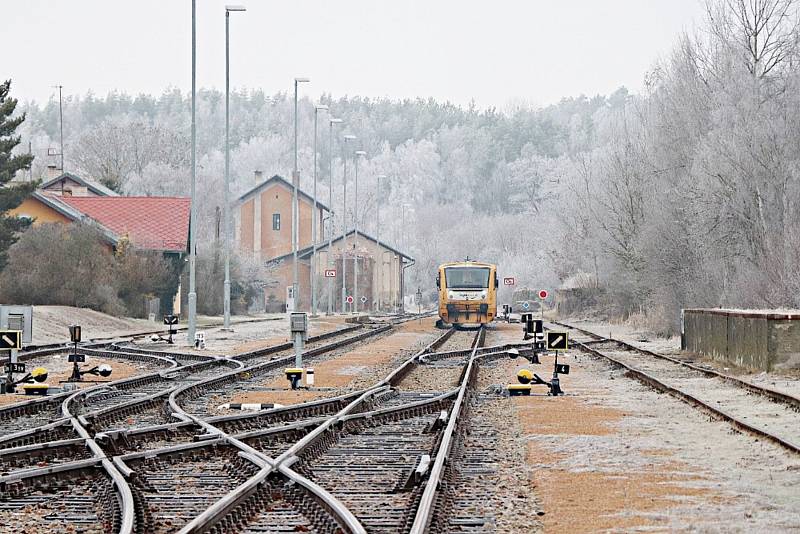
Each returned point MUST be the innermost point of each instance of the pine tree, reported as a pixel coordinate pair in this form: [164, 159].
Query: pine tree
[11, 195]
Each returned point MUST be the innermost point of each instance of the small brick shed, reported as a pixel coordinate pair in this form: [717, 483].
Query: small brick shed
[759, 339]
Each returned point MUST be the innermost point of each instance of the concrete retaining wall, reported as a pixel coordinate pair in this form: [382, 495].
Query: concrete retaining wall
[759, 340]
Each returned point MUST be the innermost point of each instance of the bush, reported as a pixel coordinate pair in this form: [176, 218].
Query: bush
[72, 265]
[248, 278]
[144, 274]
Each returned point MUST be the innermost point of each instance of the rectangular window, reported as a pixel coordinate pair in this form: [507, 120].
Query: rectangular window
[276, 221]
[466, 277]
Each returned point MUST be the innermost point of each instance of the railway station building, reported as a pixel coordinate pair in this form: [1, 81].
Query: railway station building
[263, 230]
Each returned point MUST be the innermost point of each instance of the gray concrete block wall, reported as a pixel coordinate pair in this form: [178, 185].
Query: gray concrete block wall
[758, 340]
[784, 343]
[748, 342]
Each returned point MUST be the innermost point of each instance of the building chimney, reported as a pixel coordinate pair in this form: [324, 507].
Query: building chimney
[53, 172]
[258, 176]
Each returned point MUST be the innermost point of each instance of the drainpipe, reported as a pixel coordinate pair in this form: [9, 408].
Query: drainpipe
[403, 284]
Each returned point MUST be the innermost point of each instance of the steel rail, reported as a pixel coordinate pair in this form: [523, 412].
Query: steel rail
[334, 506]
[269, 365]
[27, 408]
[772, 394]
[427, 501]
[383, 385]
[170, 363]
[658, 385]
[204, 522]
[116, 468]
[54, 348]
[125, 495]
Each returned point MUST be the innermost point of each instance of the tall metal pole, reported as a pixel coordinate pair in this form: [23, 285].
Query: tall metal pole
[61, 126]
[355, 240]
[358, 155]
[344, 223]
[193, 209]
[344, 230]
[295, 206]
[295, 214]
[314, 222]
[227, 284]
[379, 255]
[227, 212]
[331, 220]
[314, 225]
[399, 260]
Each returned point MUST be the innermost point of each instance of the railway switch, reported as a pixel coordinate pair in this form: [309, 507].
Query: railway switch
[519, 390]
[103, 370]
[34, 382]
[39, 374]
[294, 375]
[35, 389]
[170, 321]
[524, 376]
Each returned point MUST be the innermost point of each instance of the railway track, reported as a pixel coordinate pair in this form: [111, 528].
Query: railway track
[81, 498]
[267, 471]
[196, 398]
[761, 411]
[393, 429]
[136, 402]
[174, 485]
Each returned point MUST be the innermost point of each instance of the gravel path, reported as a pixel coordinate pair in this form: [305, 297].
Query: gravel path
[614, 455]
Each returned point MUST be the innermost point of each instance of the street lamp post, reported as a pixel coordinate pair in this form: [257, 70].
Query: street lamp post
[359, 154]
[227, 284]
[193, 209]
[331, 224]
[317, 109]
[295, 207]
[61, 124]
[378, 240]
[344, 225]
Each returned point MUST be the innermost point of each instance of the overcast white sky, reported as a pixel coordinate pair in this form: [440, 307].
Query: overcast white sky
[492, 51]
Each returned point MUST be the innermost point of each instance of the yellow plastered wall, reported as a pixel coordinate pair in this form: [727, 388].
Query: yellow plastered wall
[39, 212]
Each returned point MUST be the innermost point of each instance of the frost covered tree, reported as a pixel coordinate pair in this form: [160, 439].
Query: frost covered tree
[11, 195]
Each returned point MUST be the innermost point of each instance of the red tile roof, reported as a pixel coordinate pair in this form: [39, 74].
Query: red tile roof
[153, 223]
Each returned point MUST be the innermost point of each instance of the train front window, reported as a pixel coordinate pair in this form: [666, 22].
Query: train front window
[466, 277]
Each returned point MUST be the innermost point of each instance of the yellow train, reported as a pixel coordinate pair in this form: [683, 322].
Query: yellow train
[467, 293]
